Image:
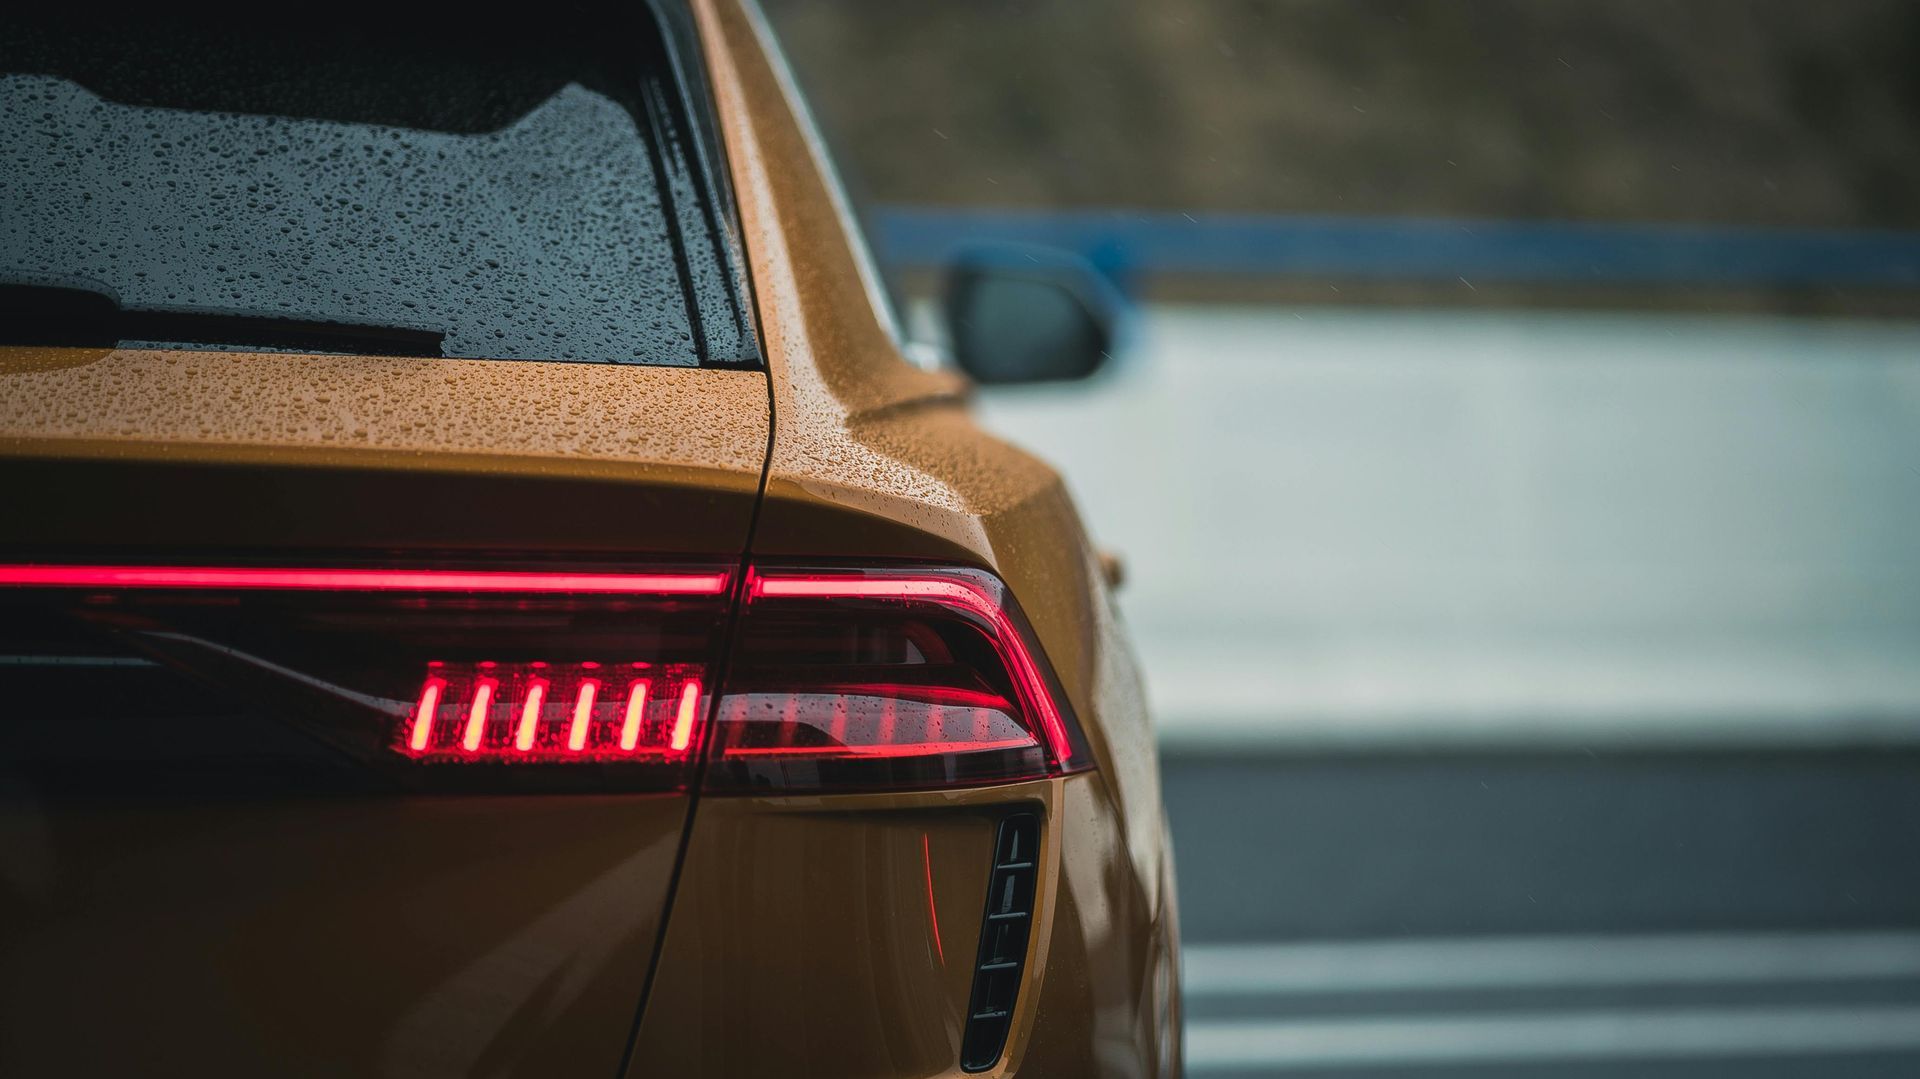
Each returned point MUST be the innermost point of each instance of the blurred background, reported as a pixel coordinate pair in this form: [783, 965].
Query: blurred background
[1514, 449]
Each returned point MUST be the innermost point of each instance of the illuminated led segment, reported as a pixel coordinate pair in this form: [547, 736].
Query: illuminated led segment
[636, 704]
[422, 730]
[477, 714]
[582, 715]
[529, 725]
[684, 717]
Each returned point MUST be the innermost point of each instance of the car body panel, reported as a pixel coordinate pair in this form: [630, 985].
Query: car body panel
[160, 447]
[832, 936]
[875, 458]
[330, 935]
[429, 936]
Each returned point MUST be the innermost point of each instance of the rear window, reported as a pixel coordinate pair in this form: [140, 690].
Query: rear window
[516, 190]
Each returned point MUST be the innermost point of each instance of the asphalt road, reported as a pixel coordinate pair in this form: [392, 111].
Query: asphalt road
[1568, 914]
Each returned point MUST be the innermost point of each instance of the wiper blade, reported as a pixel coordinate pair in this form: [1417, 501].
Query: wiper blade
[80, 318]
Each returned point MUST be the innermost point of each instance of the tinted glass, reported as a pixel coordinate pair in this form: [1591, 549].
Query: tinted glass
[528, 191]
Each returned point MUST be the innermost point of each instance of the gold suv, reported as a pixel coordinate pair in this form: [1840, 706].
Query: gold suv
[482, 591]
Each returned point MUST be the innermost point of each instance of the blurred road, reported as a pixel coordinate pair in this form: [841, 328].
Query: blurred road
[1364, 527]
[1550, 913]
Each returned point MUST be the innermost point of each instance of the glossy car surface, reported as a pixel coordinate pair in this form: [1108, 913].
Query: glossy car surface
[669, 933]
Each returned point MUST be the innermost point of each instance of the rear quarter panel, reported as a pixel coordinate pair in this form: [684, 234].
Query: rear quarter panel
[324, 935]
[873, 458]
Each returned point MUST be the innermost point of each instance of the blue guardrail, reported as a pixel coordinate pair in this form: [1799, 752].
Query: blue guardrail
[1132, 244]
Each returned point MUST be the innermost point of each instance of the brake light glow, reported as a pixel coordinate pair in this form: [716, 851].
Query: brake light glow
[499, 712]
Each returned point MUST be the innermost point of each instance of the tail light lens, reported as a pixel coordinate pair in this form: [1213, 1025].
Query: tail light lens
[536, 680]
[437, 679]
[886, 678]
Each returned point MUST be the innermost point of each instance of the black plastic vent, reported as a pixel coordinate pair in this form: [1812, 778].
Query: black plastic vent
[1003, 942]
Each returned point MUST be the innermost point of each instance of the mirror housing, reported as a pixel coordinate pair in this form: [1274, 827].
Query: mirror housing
[1029, 314]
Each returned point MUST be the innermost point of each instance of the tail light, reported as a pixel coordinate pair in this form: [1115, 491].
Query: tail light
[886, 678]
[538, 680]
[415, 679]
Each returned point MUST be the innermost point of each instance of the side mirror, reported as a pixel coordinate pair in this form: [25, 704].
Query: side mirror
[1028, 314]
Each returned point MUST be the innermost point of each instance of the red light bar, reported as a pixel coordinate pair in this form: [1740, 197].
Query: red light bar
[955, 593]
[355, 580]
[845, 678]
[914, 749]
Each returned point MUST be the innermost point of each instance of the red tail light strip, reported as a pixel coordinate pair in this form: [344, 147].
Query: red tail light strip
[879, 678]
[876, 751]
[954, 593]
[356, 580]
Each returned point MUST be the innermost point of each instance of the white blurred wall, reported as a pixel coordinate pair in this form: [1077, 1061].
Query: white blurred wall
[1349, 526]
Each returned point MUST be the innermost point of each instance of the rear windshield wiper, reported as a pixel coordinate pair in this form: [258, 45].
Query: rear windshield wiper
[80, 318]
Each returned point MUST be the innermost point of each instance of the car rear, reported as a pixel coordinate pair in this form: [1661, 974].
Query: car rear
[420, 651]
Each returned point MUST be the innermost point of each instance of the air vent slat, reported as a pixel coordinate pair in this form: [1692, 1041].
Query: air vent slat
[1003, 943]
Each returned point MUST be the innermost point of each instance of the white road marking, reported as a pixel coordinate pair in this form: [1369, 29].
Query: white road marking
[1226, 1046]
[1556, 1035]
[1269, 969]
